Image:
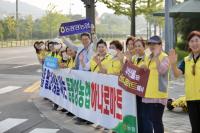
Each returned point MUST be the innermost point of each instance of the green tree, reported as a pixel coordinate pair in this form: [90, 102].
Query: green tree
[183, 26]
[1, 31]
[50, 23]
[123, 7]
[26, 27]
[113, 24]
[29, 26]
[9, 26]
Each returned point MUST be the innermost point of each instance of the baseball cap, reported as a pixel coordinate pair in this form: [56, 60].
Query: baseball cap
[154, 40]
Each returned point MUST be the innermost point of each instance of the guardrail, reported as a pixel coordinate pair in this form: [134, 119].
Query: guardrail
[6, 44]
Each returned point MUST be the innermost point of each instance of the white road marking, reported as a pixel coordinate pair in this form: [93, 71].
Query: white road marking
[5, 59]
[39, 70]
[26, 65]
[8, 89]
[178, 131]
[9, 123]
[44, 130]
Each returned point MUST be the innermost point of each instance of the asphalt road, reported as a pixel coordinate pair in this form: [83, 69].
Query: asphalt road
[19, 69]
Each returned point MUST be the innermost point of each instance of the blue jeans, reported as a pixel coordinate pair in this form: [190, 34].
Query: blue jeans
[152, 117]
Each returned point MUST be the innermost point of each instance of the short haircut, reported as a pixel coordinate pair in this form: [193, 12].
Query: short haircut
[41, 42]
[190, 36]
[117, 44]
[130, 38]
[86, 34]
[101, 41]
[140, 40]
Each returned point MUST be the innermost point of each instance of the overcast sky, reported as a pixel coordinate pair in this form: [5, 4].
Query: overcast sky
[77, 6]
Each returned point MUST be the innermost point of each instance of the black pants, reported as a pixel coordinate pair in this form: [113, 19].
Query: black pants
[152, 118]
[194, 115]
[139, 113]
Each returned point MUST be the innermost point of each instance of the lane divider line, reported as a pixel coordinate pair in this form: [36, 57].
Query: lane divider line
[35, 86]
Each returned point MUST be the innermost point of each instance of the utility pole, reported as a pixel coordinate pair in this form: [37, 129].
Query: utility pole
[90, 9]
[169, 26]
[17, 23]
[133, 18]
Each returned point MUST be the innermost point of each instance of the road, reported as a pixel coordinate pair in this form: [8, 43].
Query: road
[18, 114]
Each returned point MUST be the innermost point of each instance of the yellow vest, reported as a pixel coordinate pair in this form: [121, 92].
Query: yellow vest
[56, 56]
[105, 63]
[42, 54]
[157, 84]
[70, 63]
[192, 82]
[142, 62]
[115, 66]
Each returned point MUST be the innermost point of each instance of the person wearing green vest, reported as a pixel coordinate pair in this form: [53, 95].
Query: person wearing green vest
[155, 99]
[190, 67]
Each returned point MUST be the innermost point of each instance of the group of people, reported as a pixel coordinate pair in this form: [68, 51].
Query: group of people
[98, 56]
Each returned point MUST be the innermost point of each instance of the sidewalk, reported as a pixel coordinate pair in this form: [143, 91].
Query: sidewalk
[175, 121]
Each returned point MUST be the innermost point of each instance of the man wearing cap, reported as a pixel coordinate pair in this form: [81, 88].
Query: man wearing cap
[155, 98]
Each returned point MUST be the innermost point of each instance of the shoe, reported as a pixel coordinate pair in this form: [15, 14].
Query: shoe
[55, 107]
[98, 127]
[80, 121]
[63, 110]
[89, 123]
[69, 114]
[45, 98]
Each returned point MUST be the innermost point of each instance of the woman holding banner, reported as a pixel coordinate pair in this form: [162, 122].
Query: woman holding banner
[139, 59]
[54, 47]
[155, 99]
[190, 67]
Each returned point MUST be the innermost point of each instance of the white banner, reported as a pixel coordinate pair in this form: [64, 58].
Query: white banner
[92, 96]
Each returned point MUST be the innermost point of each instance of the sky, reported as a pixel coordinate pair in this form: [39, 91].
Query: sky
[77, 6]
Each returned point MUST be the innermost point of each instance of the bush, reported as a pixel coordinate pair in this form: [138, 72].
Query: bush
[181, 53]
[181, 45]
[72, 37]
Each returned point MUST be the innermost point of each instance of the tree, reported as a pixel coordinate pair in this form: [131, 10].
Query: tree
[29, 26]
[1, 31]
[113, 24]
[9, 25]
[50, 23]
[183, 26]
[124, 7]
